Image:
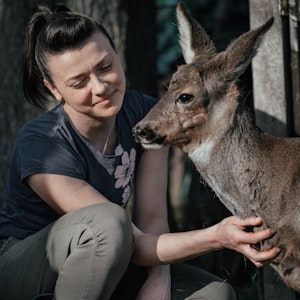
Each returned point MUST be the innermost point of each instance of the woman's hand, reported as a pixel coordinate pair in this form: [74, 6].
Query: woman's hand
[157, 285]
[231, 233]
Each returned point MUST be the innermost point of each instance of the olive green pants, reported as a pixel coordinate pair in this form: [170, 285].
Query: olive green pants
[85, 254]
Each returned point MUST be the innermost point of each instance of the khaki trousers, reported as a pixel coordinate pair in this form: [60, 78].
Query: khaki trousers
[85, 254]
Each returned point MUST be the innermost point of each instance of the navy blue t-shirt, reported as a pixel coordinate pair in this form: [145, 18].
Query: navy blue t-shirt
[51, 144]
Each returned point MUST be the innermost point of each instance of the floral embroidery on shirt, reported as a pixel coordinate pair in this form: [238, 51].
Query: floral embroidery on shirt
[126, 195]
[124, 172]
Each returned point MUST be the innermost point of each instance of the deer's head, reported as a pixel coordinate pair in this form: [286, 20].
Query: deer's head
[202, 96]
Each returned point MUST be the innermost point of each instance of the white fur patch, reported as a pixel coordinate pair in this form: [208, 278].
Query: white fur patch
[201, 154]
[185, 35]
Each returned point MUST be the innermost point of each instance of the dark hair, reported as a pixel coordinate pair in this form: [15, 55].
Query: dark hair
[52, 31]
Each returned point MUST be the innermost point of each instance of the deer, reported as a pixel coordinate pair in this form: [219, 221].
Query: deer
[204, 113]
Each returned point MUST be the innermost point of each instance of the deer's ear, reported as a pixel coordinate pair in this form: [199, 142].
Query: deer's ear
[240, 52]
[193, 40]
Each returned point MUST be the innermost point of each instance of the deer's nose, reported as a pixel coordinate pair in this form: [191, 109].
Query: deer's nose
[143, 133]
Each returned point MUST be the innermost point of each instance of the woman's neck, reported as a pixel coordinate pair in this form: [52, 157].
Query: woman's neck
[100, 133]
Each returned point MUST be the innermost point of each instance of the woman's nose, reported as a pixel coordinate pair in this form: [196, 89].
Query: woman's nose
[99, 86]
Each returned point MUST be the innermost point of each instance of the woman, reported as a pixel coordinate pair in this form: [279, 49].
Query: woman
[64, 232]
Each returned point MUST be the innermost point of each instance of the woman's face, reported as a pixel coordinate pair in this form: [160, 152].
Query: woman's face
[90, 79]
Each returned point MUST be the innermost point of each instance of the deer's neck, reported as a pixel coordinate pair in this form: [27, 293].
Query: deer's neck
[233, 166]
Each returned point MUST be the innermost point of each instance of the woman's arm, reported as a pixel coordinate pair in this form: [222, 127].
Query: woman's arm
[151, 215]
[150, 205]
[229, 233]
[63, 193]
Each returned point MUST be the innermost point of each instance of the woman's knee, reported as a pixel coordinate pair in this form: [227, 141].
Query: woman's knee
[100, 229]
[111, 223]
[112, 230]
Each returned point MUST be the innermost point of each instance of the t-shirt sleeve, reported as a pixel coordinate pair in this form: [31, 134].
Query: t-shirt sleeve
[38, 154]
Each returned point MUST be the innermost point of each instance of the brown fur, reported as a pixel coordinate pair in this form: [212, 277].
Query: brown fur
[204, 114]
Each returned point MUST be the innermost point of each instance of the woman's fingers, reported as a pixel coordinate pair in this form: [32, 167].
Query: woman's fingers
[234, 229]
[258, 236]
[261, 258]
[233, 235]
[253, 237]
[250, 221]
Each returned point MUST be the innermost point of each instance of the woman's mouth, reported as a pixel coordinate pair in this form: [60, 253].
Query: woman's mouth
[106, 99]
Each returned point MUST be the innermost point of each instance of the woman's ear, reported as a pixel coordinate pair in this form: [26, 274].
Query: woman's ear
[53, 90]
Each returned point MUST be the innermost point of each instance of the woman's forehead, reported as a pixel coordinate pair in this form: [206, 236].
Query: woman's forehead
[92, 52]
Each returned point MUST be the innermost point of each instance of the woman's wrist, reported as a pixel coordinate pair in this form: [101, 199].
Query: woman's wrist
[215, 238]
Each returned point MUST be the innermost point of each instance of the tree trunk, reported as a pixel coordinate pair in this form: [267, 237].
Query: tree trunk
[141, 46]
[13, 108]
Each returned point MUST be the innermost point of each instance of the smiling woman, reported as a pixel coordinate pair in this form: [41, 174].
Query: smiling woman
[91, 83]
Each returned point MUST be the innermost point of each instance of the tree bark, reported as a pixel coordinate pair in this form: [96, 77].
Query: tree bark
[140, 53]
[13, 108]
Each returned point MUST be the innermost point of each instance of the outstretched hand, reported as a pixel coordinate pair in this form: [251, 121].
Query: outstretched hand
[231, 233]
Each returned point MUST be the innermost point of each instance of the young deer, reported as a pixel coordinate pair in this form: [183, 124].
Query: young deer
[204, 114]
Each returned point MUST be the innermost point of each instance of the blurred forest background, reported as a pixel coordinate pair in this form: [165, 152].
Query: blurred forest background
[145, 35]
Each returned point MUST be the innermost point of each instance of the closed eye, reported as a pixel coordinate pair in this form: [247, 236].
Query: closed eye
[106, 67]
[103, 69]
[78, 84]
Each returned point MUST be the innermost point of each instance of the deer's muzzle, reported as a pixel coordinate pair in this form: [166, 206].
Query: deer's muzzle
[148, 136]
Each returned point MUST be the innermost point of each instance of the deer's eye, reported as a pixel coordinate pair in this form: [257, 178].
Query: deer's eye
[185, 98]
